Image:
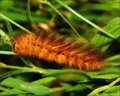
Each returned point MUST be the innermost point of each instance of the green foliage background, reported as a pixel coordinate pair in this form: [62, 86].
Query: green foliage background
[97, 21]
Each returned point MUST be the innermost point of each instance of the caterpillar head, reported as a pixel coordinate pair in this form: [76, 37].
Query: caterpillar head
[23, 44]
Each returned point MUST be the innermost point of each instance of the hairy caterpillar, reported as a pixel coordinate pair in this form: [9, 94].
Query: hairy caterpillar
[52, 46]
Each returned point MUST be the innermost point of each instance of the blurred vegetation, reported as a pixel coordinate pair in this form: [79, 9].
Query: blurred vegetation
[97, 21]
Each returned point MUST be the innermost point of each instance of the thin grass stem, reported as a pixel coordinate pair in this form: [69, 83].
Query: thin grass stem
[5, 37]
[86, 20]
[96, 91]
[9, 29]
[7, 53]
[13, 22]
[48, 3]
[29, 12]
[112, 58]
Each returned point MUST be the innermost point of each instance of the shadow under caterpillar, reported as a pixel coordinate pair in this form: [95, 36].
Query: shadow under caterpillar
[52, 46]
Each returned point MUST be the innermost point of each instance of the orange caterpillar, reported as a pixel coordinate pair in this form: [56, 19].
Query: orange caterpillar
[52, 46]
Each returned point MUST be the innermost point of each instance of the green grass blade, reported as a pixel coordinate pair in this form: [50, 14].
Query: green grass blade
[29, 87]
[19, 17]
[13, 22]
[29, 12]
[112, 28]
[44, 81]
[107, 76]
[14, 72]
[112, 58]
[9, 29]
[7, 53]
[113, 91]
[5, 37]
[48, 3]
[86, 20]
[103, 87]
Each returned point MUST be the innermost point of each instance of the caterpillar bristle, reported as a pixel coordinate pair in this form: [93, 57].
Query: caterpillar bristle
[52, 46]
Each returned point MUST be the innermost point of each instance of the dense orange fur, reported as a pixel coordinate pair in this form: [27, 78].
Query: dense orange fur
[54, 47]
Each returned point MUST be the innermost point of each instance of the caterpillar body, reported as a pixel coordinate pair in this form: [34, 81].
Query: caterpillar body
[52, 46]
